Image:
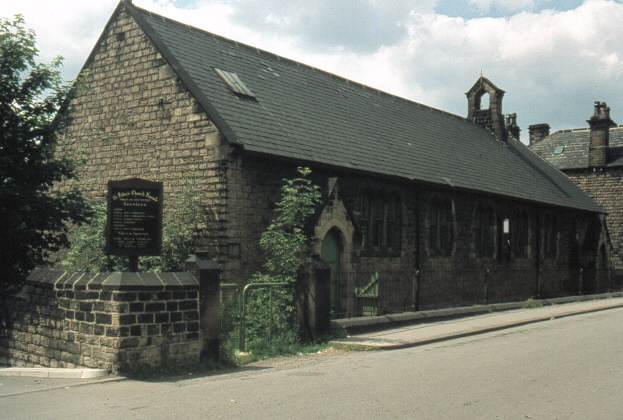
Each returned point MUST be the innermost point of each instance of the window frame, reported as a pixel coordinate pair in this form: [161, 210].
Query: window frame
[376, 224]
[484, 216]
[441, 221]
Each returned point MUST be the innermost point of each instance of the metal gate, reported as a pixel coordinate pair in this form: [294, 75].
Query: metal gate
[236, 301]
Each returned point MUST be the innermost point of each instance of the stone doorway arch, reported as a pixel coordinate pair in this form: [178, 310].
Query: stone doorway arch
[331, 252]
[334, 231]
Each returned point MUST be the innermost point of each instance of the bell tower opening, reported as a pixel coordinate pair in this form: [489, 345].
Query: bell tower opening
[484, 107]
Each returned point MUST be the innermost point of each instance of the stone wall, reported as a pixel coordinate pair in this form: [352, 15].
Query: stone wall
[132, 117]
[462, 278]
[124, 322]
[605, 185]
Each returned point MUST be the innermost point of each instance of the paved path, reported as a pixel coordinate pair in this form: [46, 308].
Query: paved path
[569, 368]
[419, 334]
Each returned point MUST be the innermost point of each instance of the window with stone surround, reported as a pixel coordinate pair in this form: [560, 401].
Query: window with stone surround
[550, 233]
[484, 231]
[376, 223]
[504, 239]
[393, 227]
[440, 227]
[380, 223]
[521, 233]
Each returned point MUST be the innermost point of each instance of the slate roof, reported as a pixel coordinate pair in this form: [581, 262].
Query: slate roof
[575, 145]
[306, 114]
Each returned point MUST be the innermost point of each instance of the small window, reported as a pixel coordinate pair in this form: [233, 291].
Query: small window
[377, 223]
[234, 83]
[521, 235]
[365, 219]
[394, 232]
[551, 236]
[504, 243]
[440, 227]
[559, 150]
[380, 223]
[484, 232]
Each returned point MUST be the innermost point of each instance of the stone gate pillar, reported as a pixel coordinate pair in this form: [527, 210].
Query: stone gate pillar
[208, 274]
[314, 299]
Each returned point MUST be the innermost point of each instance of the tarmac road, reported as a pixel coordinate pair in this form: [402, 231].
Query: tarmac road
[569, 368]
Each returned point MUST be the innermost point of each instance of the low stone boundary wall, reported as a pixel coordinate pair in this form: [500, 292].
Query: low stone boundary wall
[123, 322]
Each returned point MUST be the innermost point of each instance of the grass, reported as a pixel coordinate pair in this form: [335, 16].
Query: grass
[532, 303]
[275, 348]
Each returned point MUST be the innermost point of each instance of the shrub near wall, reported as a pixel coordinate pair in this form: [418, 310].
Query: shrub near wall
[123, 322]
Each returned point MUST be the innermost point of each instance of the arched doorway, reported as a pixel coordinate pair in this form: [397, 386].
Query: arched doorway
[331, 253]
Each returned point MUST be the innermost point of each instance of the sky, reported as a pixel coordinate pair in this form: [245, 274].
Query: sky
[553, 58]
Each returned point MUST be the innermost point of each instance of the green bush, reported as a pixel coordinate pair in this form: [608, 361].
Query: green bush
[271, 321]
[181, 221]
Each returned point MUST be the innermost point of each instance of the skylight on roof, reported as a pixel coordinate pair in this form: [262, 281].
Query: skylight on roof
[559, 150]
[234, 83]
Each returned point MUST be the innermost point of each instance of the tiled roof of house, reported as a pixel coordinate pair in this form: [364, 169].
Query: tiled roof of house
[568, 149]
[303, 113]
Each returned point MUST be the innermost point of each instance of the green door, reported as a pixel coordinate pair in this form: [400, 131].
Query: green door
[330, 254]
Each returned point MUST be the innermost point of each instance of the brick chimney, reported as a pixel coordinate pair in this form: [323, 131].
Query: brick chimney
[491, 118]
[600, 124]
[511, 125]
[538, 132]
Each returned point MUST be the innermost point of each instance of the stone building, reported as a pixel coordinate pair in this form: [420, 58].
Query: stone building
[593, 158]
[436, 209]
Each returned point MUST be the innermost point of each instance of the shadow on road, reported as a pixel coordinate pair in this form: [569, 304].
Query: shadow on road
[193, 372]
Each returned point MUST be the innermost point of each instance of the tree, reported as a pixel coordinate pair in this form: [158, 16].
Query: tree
[34, 216]
[287, 247]
[182, 219]
[286, 241]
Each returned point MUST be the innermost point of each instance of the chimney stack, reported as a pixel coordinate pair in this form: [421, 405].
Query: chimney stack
[538, 132]
[600, 124]
[511, 125]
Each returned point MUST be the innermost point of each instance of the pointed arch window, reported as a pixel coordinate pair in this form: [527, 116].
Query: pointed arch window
[381, 223]
[551, 236]
[440, 227]
[484, 231]
[520, 237]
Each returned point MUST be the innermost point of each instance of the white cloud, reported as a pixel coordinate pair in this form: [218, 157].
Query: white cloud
[552, 64]
[507, 5]
[68, 27]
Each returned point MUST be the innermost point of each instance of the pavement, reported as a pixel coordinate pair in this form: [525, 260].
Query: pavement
[570, 368]
[54, 373]
[425, 333]
[11, 386]
[430, 329]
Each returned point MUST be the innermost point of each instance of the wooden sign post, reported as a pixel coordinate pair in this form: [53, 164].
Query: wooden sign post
[134, 219]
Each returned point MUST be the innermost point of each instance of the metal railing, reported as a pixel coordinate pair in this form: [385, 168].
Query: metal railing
[236, 299]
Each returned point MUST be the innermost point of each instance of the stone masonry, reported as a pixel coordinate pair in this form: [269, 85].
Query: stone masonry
[462, 278]
[124, 322]
[131, 117]
[605, 185]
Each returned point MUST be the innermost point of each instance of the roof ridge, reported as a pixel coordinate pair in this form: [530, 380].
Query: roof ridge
[574, 130]
[298, 63]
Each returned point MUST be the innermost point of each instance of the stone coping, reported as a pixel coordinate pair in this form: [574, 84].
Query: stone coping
[369, 323]
[54, 373]
[115, 280]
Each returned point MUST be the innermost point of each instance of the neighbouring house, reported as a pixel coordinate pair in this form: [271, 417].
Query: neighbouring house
[423, 208]
[593, 158]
